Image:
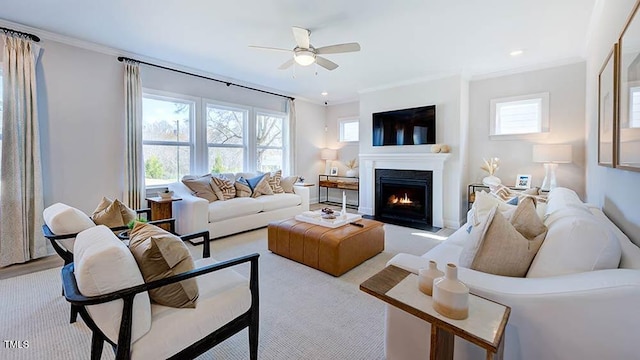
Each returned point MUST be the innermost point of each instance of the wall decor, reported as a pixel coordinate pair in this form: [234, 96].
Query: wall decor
[607, 98]
[627, 155]
[334, 171]
[523, 181]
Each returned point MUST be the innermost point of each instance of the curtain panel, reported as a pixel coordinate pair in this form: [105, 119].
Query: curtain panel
[134, 192]
[292, 138]
[21, 191]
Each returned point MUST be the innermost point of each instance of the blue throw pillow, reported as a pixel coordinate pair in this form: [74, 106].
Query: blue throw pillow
[253, 182]
[513, 201]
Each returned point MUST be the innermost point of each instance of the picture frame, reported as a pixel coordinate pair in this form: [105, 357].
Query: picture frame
[627, 124]
[523, 181]
[334, 171]
[607, 104]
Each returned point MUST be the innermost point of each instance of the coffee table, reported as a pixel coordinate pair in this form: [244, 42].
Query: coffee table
[484, 326]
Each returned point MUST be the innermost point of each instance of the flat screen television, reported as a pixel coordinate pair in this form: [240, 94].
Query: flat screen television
[415, 126]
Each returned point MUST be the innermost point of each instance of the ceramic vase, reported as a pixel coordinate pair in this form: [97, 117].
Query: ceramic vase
[450, 295]
[426, 277]
[352, 172]
[491, 180]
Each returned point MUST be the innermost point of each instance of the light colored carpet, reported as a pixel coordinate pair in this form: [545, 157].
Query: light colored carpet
[304, 313]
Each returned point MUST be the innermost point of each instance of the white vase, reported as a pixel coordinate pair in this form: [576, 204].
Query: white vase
[450, 295]
[491, 180]
[426, 277]
[352, 172]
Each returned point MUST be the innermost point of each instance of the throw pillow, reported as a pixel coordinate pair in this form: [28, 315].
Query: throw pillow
[260, 186]
[526, 221]
[160, 255]
[112, 213]
[483, 204]
[200, 187]
[64, 219]
[242, 187]
[287, 184]
[275, 180]
[226, 187]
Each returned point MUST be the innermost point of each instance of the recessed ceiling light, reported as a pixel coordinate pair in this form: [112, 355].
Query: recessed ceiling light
[324, 93]
[516, 52]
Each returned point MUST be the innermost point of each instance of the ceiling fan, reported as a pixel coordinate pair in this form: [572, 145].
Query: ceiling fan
[305, 54]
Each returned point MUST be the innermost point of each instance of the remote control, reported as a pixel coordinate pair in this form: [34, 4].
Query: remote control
[357, 224]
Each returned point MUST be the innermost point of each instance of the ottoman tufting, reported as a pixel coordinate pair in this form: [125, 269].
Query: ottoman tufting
[334, 251]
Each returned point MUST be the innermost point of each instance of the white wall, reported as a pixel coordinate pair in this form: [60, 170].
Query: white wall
[566, 88]
[612, 189]
[310, 139]
[447, 95]
[346, 150]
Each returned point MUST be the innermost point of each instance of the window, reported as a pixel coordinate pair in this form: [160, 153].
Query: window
[269, 141]
[1, 107]
[166, 138]
[634, 107]
[349, 130]
[520, 115]
[225, 138]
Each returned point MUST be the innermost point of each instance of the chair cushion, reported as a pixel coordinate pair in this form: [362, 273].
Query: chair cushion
[160, 255]
[279, 201]
[200, 186]
[103, 264]
[64, 219]
[112, 213]
[236, 207]
[224, 295]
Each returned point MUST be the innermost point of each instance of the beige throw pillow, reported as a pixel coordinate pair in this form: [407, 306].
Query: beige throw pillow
[287, 184]
[201, 187]
[112, 213]
[225, 186]
[242, 187]
[275, 180]
[160, 255]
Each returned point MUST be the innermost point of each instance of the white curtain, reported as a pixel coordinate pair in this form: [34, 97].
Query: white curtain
[134, 192]
[292, 138]
[21, 236]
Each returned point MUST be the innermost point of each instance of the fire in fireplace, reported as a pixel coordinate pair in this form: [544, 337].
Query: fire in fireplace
[404, 197]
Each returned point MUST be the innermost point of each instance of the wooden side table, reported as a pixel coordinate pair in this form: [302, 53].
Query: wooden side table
[484, 326]
[161, 209]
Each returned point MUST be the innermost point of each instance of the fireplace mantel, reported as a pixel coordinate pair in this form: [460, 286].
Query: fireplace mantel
[402, 161]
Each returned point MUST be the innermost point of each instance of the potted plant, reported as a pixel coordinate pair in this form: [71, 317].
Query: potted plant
[352, 165]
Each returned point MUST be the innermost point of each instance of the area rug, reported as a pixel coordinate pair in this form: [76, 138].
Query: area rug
[304, 313]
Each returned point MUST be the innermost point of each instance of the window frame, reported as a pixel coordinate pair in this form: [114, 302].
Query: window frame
[204, 165]
[346, 120]
[543, 123]
[285, 138]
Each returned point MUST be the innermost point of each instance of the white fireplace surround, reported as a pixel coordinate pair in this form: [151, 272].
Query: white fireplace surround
[402, 161]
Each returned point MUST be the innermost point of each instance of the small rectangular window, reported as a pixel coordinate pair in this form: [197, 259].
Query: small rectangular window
[520, 115]
[349, 130]
[634, 107]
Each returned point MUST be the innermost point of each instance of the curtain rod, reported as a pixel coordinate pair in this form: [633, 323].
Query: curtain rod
[122, 58]
[31, 36]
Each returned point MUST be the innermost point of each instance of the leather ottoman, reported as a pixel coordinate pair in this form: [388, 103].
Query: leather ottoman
[334, 251]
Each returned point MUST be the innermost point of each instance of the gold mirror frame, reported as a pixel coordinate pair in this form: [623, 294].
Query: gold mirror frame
[607, 105]
[627, 151]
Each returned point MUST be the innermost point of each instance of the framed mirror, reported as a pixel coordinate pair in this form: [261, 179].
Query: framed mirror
[628, 120]
[607, 109]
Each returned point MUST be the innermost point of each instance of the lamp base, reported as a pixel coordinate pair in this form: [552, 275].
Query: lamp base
[549, 181]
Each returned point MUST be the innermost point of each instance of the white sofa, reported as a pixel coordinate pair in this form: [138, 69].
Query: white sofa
[222, 218]
[576, 315]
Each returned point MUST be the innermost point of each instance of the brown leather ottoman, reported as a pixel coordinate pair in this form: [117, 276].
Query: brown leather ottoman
[334, 251]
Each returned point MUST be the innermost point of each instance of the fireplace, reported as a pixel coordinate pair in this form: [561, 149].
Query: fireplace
[404, 197]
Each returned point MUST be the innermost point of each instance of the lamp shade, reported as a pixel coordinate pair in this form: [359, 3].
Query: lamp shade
[328, 154]
[558, 154]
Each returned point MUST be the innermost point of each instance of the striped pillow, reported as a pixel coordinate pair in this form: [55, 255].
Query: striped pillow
[275, 182]
[226, 187]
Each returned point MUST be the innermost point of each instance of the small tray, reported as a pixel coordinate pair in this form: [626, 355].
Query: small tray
[333, 223]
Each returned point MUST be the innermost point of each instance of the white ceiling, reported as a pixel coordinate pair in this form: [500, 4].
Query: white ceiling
[402, 41]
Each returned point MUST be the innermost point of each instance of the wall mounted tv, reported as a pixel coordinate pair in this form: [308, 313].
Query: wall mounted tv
[415, 126]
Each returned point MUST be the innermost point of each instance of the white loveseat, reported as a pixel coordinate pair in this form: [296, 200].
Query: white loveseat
[226, 217]
[576, 315]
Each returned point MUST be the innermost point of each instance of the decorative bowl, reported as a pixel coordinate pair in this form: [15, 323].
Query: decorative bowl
[166, 195]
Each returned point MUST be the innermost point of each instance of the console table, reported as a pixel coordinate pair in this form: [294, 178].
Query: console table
[484, 327]
[347, 183]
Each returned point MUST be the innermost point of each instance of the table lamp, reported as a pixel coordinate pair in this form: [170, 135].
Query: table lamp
[329, 155]
[551, 156]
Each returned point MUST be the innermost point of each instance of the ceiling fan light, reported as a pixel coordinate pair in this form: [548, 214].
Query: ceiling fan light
[304, 57]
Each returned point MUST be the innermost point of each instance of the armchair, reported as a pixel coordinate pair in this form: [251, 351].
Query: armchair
[123, 316]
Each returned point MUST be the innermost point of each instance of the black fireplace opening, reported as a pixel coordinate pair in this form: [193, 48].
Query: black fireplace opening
[404, 197]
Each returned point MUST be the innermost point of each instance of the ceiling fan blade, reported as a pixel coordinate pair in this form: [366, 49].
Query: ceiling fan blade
[302, 37]
[339, 48]
[327, 64]
[268, 48]
[286, 65]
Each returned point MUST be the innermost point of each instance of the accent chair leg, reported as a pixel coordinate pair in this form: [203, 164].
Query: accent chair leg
[74, 314]
[96, 346]
[253, 339]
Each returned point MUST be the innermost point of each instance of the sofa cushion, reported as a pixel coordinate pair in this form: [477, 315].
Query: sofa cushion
[224, 295]
[260, 186]
[279, 201]
[200, 186]
[113, 213]
[160, 255]
[64, 219]
[574, 244]
[563, 199]
[242, 187]
[236, 207]
[226, 186]
[103, 264]
[287, 183]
